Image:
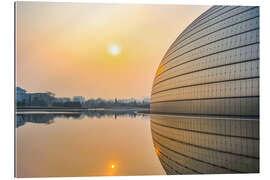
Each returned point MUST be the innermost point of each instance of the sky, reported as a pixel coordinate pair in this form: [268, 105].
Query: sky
[95, 50]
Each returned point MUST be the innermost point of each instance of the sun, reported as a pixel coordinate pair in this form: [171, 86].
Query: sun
[114, 49]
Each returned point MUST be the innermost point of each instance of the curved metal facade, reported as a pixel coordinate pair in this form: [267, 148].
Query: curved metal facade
[207, 88]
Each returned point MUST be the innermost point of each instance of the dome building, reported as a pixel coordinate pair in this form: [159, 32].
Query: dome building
[205, 95]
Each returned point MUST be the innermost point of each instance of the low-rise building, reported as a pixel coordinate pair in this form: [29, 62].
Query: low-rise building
[62, 99]
[21, 96]
[41, 99]
[80, 99]
[146, 100]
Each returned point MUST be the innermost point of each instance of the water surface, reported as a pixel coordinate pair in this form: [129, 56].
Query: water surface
[85, 144]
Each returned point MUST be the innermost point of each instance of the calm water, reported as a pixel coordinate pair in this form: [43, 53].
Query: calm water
[92, 144]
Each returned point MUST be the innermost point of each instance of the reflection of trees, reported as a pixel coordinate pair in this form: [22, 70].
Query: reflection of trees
[101, 113]
[21, 119]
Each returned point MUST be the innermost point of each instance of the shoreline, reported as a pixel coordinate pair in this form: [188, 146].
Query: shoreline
[79, 110]
[145, 111]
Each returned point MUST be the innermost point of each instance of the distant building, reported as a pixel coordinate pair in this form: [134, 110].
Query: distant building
[146, 100]
[99, 100]
[63, 99]
[126, 101]
[143, 100]
[41, 99]
[80, 99]
[21, 95]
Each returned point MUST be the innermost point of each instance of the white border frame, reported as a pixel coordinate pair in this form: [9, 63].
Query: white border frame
[7, 88]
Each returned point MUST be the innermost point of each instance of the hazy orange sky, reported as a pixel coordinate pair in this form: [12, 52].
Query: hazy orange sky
[63, 47]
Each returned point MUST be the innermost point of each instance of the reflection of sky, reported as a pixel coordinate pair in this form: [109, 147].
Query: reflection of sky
[85, 147]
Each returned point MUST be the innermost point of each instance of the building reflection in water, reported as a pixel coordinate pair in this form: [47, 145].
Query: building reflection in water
[44, 118]
[188, 145]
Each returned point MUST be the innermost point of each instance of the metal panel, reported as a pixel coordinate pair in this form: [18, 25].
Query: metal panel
[210, 79]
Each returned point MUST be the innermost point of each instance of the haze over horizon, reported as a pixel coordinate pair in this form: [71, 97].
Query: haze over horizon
[95, 50]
